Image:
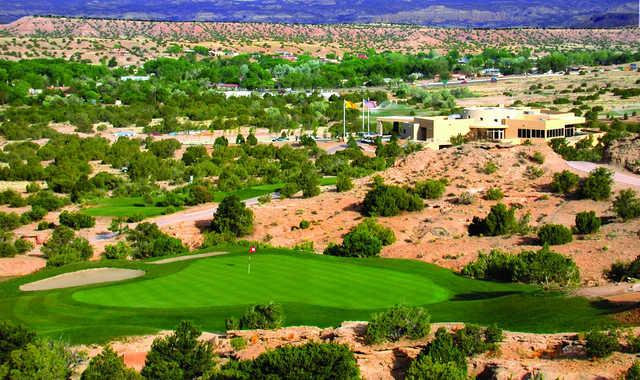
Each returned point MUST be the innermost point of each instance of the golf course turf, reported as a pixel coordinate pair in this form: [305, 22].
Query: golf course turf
[313, 290]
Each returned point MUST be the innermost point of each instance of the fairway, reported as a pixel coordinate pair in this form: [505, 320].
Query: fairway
[283, 279]
[312, 289]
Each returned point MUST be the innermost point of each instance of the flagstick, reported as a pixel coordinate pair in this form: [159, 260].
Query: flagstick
[249, 268]
[344, 121]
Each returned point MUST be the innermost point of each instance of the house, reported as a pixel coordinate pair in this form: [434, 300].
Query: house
[137, 78]
[35, 91]
[227, 86]
[503, 124]
[491, 72]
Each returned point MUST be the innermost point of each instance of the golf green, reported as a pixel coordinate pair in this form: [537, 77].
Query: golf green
[312, 289]
[229, 280]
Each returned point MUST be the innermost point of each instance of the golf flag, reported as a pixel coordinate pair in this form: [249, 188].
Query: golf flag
[252, 249]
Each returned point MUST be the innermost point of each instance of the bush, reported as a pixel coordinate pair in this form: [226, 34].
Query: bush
[633, 373]
[386, 200]
[587, 223]
[364, 240]
[470, 340]
[622, 271]
[233, 216]
[238, 343]
[76, 220]
[322, 361]
[424, 368]
[23, 245]
[397, 323]
[465, 198]
[179, 356]
[533, 172]
[343, 183]
[108, 365]
[601, 345]
[564, 182]
[537, 157]
[9, 221]
[490, 167]
[269, 316]
[118, 251]
[541, 267]
[554, 234]
[493, 334]
[627, 205]
[63, 247]
[431, 188]
[494, 194]
[499, 221]
[444, 350]
[597, 186]
[304, 224]
[289, 190]
[148, 241]
[13, 337]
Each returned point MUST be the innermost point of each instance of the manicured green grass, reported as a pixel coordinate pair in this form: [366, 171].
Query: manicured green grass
[313, 289]
[128, 206]
[123, 206]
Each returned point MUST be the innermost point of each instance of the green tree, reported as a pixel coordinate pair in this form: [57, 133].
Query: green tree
[597, 185]
[63, 247]
[627, 205]
[587, 222]
[425, 368]
[108, 365]
[13, 337]
[41, 360]
[554, 234]
[179, 355]
[600, 344]
[148, 241]
[232, 216]
[343, 183]
[499, 221]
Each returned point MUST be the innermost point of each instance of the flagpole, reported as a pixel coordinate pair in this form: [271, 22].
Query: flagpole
[362, 114]
[368, 118]
[344, 120]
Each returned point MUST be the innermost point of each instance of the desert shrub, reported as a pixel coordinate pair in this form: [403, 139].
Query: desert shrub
[587, 222]
[12, 198]
[564, 182]
[533, 172]
[63, 247]
[425, 368]
[9, 221]
[597, 186]
[494, 194]
[23, 245]
[465, 198]
[600, 344]
[108, 365]
[493, 334]
[499, 221]
[431, 188]
[289, 190]
[33, 187]
[148, 241]
[238, 343]
[322, 361]
[364, 240]
[627, 205]
[535, 267]
[233, 216]
[269, 316]
[387, 200]
[490, 167]
[179, 356]
[537, 157]
[304, 224]
[633, 373]
[397, 323]
[251, 139]
[118, 251]
[554, 234]
[40, 359]
[343, 183]
[76, 220]
[470, 340]
[444, 350]
[36, 213]
[620, 271]
[47, 200]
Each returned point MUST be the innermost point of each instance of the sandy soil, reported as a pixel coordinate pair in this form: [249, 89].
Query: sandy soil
[82, 277]
[187, 257]
[519, 356]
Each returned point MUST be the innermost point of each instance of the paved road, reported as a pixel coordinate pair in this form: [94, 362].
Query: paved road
[620, 177]
[487, 80]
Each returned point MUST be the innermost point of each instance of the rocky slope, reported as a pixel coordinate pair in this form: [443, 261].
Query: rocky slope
[625, 153]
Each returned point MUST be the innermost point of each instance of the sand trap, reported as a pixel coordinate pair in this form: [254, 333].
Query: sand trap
[187, 257]
[82, 277]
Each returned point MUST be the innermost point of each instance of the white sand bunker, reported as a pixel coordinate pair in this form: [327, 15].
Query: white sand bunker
[82, 277]
[187, 257]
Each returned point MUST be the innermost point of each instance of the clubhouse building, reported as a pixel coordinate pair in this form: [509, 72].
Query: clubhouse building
[501, 124]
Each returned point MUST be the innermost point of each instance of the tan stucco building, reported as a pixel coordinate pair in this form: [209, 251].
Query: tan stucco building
[509, 124]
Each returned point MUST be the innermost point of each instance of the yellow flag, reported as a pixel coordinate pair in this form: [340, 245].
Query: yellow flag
[352, 105]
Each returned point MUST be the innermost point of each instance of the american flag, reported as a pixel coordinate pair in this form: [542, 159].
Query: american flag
[371, 104]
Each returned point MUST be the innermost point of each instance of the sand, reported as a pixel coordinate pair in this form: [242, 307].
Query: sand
[82, 277]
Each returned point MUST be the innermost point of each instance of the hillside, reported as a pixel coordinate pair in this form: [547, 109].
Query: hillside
[449, 13]
[240, 36]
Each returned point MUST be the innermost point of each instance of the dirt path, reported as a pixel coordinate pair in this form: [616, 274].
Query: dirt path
[618, 176]
[187, 257]
[82, 277]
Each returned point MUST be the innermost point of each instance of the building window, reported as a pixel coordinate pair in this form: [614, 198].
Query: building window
[495, 134]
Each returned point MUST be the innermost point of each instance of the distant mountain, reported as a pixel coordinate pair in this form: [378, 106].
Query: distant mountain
[449, 13]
